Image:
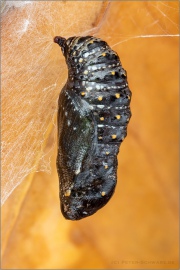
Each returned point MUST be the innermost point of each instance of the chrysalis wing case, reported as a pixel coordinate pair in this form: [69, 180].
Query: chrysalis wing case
[93, 114]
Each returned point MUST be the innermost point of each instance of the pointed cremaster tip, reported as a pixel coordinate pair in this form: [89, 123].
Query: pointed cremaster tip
[60, 40]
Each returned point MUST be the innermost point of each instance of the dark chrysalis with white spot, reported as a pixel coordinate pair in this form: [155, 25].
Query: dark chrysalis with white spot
[93, 114]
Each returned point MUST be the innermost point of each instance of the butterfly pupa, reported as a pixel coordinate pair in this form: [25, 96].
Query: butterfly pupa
[93, 113]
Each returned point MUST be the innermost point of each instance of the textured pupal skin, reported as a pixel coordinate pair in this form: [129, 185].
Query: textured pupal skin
[93, 113]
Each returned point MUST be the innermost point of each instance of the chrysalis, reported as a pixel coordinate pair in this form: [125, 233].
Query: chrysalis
[93, 113]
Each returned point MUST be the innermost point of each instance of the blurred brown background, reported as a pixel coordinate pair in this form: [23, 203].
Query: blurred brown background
[138, 228]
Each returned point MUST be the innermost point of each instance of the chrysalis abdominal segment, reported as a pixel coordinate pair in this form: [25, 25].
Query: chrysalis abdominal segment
[93, 113]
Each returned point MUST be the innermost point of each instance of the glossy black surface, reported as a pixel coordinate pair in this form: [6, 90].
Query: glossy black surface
[93, 113]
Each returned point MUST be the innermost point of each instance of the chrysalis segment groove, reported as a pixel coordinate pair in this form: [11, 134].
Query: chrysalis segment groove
[93, 113]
